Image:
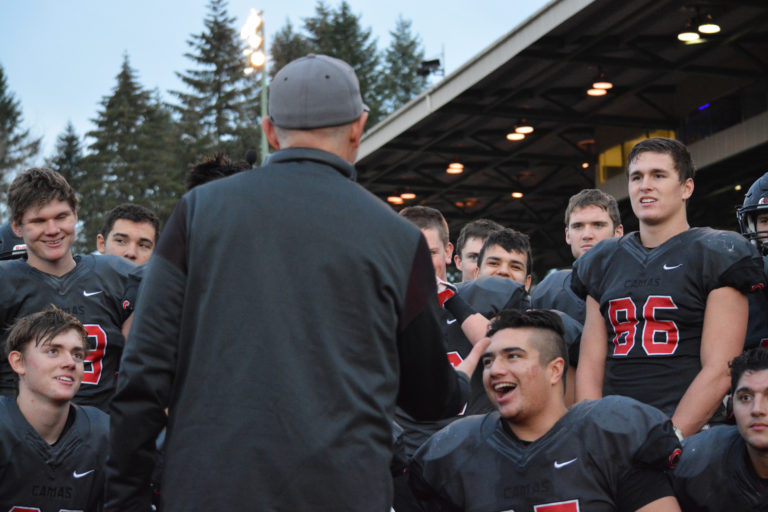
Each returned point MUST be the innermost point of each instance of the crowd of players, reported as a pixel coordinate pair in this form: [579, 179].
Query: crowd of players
[667, 323]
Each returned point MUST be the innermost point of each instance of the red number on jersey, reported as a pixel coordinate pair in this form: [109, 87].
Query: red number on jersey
[652, 327]
[623, 327]
[626, 326]
[97, 339]
[561, 506]
[24, 509]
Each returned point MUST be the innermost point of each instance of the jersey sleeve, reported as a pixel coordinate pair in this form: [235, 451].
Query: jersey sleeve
[734, 262]
[588, 270]
[634, 435]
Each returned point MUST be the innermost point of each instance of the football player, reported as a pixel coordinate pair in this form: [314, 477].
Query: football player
[666, 306]
[468, 245]
[130, 231]
[52, 452]
[753, 224]
[591, 216]
[11, 246]
[618, 462]
[726, 467]
[506, 253]
[90, 287]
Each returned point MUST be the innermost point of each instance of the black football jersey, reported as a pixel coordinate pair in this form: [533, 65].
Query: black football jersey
[66, 476]
[716, 474]
[93, 293]
[477, 464]
[653, 303]
[555, 292]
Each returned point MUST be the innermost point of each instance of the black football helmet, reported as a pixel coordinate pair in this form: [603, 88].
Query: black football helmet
[11, 246]
[755, 203]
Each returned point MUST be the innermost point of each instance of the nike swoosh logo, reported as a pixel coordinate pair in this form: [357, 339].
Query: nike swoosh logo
[88, 294]
[559, 465]
[670, 268]
[449, 322]
[81, 475]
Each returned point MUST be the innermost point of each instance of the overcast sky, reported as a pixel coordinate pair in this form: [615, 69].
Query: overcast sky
[62, 56]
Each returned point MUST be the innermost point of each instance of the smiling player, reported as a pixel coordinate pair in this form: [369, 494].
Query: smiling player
[44, 213]
[52, 452]
[617, 464]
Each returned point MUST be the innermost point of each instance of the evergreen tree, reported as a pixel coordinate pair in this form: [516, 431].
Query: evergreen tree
[287, 46]
[131, 157]
[68, 157]
[16, 144]
[400, 81]
[338, 33]
[219, 110]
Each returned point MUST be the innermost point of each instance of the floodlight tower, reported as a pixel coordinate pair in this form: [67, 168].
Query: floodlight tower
[256, 53]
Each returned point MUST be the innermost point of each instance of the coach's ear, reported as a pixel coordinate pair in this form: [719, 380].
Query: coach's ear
[16, 361]
[269, 131]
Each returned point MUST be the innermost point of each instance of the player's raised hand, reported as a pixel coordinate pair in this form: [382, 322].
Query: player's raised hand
[469, 363]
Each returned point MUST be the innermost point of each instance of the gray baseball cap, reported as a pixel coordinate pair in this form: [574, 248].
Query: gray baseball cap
[316, 91]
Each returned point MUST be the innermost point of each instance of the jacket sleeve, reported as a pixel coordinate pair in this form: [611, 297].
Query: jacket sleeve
[430, 388]
[146, 373]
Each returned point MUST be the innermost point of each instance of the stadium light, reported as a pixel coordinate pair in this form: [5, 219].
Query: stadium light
[256, 54]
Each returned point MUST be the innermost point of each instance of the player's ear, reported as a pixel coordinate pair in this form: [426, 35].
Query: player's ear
[687, 188]
[557, 370]
[16, 361]
[448, 253]
[477, 271]
[567, 237]
[528, 282]
[100, 243]
[16, 228]
[619, 231]
[457, 261]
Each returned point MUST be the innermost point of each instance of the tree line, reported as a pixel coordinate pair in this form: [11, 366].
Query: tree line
[141, 146]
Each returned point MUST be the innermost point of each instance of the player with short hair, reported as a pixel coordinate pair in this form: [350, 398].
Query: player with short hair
[52, 452]
[666, 306]
[726, 467]
[213, 168]
[506, 253]
[468, 245]
[435, 230]
[602, 455]
[44, 213]
[130, 231]
[591, 216]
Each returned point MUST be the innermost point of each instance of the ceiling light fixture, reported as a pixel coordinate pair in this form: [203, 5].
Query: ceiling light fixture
[408, 195]
[523, 127]
[708, 25]
[455, 168]
[585, 165]
[514, 136]
[688, 34]
[597, 92]
[602, 82]
[395, 200]
[517, 195]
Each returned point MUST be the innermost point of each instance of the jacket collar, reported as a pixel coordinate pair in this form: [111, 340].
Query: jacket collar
[313, 155]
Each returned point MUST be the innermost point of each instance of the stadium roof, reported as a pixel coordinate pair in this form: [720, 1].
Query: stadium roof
[713, 95]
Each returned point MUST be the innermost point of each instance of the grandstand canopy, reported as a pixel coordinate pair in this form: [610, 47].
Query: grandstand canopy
[712, 95]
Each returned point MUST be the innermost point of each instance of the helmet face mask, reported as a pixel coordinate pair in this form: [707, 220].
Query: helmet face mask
[755, 204]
